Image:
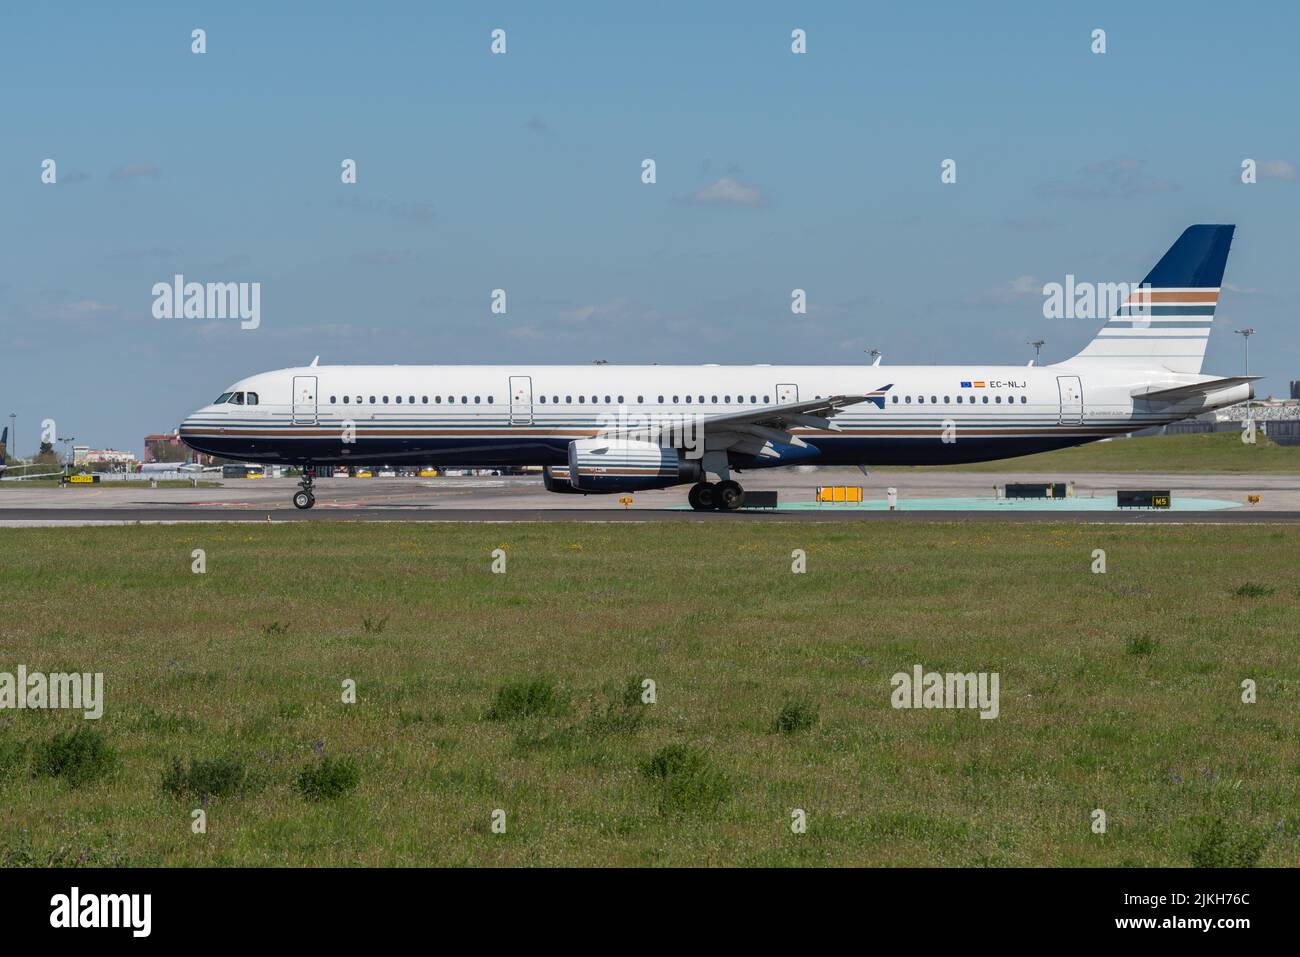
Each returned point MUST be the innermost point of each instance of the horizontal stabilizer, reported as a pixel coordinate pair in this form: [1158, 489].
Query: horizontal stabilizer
[1193, 390]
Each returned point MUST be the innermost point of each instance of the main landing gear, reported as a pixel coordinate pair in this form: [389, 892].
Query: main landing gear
[725, 496]
[306, 498]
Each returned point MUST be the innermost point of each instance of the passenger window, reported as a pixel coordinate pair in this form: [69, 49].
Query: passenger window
[714, 400]
[1024, 399]
[894, 400]
[372, 400]
[606, 399]
[908, 400]
[997, 399]
[399, 400]
[568, 399]
[332, 400]
[464, 400]
[959, 400]
[986, 400]
[946, 400]
[934, 400]
[582, 398]
[437, 400]
[661, 398]
[727, 399]
[476, 400]
[345, 400]
[424, 399]
[688, 398]
[543, 398]
[620, 400]
[640, 400]
[920, 399]
[766, 400]
[412, 399]
[385, 400]
[489, 400]
[674, 400]
[753, 399]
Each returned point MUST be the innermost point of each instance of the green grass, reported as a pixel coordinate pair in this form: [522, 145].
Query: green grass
[1211, 452]
[524, 692]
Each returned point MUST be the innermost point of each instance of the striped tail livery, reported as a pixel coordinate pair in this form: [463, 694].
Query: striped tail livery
[1165, 323]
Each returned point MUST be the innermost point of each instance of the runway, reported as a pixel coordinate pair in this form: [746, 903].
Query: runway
[923, 497]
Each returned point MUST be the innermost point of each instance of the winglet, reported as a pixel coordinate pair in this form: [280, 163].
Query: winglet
[877, 397]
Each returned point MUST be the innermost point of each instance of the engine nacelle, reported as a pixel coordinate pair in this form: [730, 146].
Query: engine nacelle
[556, 479]
[626, 465]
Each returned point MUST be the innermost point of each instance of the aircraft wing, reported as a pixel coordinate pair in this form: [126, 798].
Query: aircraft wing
[765, 432]
[1194, 390]
[19, 478]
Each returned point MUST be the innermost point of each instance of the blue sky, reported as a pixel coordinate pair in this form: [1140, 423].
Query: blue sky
[775, 171]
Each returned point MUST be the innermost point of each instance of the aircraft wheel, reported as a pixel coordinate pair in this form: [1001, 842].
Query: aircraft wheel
[703, 496]
[303, 500]
[730, 497]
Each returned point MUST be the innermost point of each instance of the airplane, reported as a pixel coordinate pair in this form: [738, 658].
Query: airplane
[606, 428]
[4, 467]
[148, 467]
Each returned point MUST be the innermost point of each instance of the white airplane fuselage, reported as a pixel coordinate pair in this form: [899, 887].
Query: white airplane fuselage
[624, 428]
[528, 415]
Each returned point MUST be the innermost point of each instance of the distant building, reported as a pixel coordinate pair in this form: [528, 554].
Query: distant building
[82, 455]
[1295, 389]
[169, 439]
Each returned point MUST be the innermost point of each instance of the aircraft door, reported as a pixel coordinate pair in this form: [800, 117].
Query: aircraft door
[304, 400]
[521, 400]
[1071, 390]
[786, 392]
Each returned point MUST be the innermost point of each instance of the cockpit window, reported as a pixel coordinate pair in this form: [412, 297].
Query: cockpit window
[237, 398]
[224, 397]
[250, 398]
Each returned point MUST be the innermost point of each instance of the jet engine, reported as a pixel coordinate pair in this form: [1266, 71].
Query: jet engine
[556, 479]
[627, 465]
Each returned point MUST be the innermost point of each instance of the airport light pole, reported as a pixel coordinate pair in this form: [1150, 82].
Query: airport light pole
[1038, 345]
[1246, 334]
[875, 355]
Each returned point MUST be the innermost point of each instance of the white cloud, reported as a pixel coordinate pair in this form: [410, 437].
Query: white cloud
[728, 191]
[1014, 290]
[1278, 169]
[80, 309]
[134, 171]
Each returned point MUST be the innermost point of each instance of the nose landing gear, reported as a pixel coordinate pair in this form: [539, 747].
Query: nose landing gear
[306, 498]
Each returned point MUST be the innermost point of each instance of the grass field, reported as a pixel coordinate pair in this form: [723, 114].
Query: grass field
[1118, 691]
[1212, 452]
